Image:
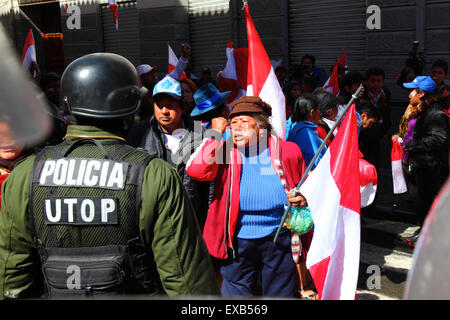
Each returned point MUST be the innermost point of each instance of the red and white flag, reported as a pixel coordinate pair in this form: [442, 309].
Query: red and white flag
[113, 7]
[173, 61]
[343, 61]
[332, 84]
[368, 182]
[333, 193]
[398, 178]
[29, 51]
[261, 78]
[234, 76]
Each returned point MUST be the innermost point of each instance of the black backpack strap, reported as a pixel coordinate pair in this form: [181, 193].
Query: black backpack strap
[78, 142]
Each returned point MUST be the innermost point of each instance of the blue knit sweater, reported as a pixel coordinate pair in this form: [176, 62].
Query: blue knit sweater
[261, 197]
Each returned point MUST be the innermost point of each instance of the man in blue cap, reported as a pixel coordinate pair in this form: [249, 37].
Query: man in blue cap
[428, 149]
[171, 134]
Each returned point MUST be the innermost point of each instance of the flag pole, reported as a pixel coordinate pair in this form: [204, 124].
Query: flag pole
[316, 155]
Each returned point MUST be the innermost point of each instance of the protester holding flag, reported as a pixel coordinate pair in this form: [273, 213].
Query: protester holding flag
[428, 149]
[242, 220]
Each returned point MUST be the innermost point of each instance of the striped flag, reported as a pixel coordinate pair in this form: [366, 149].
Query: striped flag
[113, 7]
[343, 61]
[368, 182]
[234, 76]
[29, 52]
[261, 78]
[173, 61]
[332, 84]
[398, 178]
[333, 194]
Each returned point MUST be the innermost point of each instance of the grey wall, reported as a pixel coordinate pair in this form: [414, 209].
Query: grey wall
[162, 23]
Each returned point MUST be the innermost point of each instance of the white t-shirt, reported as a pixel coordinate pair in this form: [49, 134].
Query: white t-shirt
[172, 141]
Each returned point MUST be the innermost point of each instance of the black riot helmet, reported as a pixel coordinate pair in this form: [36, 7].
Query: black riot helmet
[101, 86]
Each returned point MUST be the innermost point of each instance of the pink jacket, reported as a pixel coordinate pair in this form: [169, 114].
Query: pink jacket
[208, 164]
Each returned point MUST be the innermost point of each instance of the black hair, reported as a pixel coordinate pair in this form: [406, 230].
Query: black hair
[303, 106]
[211, 114]
[375, 71]
[308, 56]
[47, 78]
[311, 81]
[289, 87]
[369, 108]
[441, 64]
[351, 78]
[326, 101]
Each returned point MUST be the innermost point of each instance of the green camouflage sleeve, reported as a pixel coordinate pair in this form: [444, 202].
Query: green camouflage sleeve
[20, 275]
[169, 225]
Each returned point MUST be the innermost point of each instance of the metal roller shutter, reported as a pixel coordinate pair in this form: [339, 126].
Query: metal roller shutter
[325, 28]
[210, 31]
[126, 40]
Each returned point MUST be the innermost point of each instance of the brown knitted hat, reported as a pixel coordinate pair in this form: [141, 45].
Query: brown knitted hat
[249, 104]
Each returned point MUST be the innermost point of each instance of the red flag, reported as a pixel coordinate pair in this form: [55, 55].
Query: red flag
[29, 51]
[261, 78]
[234, 76]
[113, 7]
[398, 179]
[333, 193]
[332, 85]
[343, 61]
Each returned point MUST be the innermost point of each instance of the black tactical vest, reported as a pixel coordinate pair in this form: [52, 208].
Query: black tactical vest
[85, 202]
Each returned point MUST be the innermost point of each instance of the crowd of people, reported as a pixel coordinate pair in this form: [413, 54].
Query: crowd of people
[183, 192]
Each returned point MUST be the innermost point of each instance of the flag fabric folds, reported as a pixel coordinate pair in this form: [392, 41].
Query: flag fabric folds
[368, 182]
[261, 78]
[332, 84]
[234, 76]
[398, 178]
[29, 51]
[173, 61]
[113, 7]
[333, 257]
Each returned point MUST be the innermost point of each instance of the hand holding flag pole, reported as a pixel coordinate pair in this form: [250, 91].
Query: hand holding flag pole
[319, 150]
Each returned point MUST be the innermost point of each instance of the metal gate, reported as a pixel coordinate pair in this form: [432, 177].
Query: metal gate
[210, 31]
[126, 40]
[325, 28]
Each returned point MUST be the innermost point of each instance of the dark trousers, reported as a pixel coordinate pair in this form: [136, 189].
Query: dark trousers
[429, 181]
[256, 258]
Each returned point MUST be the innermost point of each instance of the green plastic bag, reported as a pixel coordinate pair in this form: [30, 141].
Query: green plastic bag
[301, 220]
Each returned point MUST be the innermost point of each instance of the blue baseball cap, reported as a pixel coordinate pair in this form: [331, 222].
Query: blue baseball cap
[421, 82]
[168, 86]
[207, 98]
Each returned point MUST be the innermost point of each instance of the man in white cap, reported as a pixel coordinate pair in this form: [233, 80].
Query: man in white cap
[149, 78]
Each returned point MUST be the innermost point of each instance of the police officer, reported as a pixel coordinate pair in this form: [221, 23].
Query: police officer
[93, 215]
